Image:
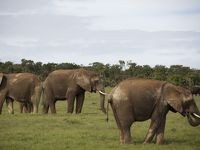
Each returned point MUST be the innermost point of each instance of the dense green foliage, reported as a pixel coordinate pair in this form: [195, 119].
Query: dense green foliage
[112, 74]
[88, 130]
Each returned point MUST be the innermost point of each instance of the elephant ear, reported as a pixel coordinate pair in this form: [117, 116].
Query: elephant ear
[1, 78]
[83, 80]
[173, 95]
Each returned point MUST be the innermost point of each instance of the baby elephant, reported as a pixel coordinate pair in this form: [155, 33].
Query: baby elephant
[141, 99]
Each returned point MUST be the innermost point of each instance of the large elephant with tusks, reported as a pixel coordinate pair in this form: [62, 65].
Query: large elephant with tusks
[71, 85]
[141, 99]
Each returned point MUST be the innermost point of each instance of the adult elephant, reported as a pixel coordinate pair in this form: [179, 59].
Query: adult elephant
[141, 99]
[23, 87]
[70, 85]
[195, 90]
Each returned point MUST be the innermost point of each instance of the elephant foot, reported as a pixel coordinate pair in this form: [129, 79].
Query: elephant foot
[126, 142]
[145, 142]
[160, 142]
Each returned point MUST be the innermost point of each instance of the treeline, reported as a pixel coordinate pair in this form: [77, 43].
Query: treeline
[112, 74]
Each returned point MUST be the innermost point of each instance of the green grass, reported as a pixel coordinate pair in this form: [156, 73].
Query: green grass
[88, 130]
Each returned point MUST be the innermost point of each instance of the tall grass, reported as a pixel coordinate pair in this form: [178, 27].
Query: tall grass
[88, 130]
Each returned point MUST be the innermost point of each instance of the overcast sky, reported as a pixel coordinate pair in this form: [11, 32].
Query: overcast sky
[152, 32]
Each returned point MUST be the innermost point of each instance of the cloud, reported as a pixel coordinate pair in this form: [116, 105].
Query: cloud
[131, 14]
[83, 31]
[131, 8]
[19, 42]
[149, 15]
[109, 46]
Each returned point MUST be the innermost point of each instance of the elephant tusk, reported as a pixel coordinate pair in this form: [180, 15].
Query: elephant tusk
[196, 115]
[102, 93]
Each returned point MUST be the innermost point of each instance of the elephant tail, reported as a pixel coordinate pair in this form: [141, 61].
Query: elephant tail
[36, 95]
[107, 111]
[40, 91]
[109, 100]
[109, 97]
[44, 100]
[42, 94]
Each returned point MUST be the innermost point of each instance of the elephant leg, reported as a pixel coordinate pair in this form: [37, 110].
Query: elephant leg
[157, 124]
[27, 107]
[70, 102]
[79, 102]
[160, 132]
[125, 135]
[9, 103]
[2, 99]
[35, 109]
[30, 107]
[45, 108]
[21, 107]
[152, 130]
[45, 103]
[46, 99]
[52, 106]
[124, 119]
[24, 107]
[122, 141]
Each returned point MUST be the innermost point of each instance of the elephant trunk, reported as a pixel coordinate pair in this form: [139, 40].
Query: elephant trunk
[102, 94]
[102, 101]
[194, 119]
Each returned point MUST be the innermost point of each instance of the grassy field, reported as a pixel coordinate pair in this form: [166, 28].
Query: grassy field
[88, 130]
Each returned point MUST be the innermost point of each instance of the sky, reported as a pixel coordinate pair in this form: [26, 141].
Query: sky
[147, 32]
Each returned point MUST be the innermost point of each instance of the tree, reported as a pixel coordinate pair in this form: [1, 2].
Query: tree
[179, 75]
[27, 65]
[112, 74]
[160, 72]
[122, 64]
[8, 67]
[147, 71]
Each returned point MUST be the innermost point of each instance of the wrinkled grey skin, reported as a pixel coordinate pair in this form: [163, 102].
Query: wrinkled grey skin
[139, 99]
[70, 85]
[23, 87]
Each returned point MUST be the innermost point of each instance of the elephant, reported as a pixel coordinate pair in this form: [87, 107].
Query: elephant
[71, 84]
[142, 99]
[25, 88]
[195, 90]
